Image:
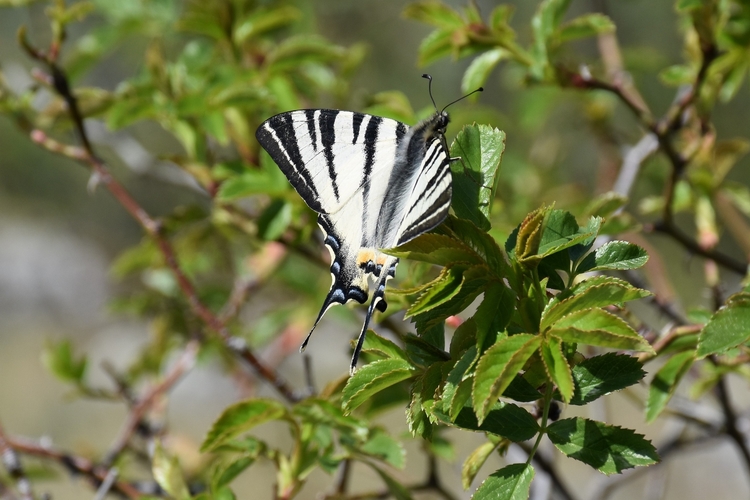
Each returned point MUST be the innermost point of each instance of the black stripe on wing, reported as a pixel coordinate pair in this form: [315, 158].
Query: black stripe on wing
[430, 201]
[328, 138]
[278, 137]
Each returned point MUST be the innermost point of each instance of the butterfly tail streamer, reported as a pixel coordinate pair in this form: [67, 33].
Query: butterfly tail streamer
[333, 298]
[379, 303]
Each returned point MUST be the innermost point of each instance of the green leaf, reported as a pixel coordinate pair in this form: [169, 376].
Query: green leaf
[250, 182]
[599, 375]
[454, 379]
[61, 362]
[416, 418]
[609, 449]
[521, 390]
[475, 175]
[474, 462]
[382, 347]
[324, 413]
[676, 75]
[606, 204]
[395, 488]
[482, 243]
[524, 241]
[262, 20]
[274, 220]
[479, 70]
[544, 24]
[665, 382]
[504, 419]
[600, 328]
[385, 448]
[435, 46]
[512, 482]
[584, 26]
[557, 366]
[561, 231]
[438, 249]
[435, 13]
[497, 367]
[167, 473]
[600, 291]
[372, 378]
[449, 296]
[423, 353]
[232, 465]
[241, 417]
[493, 314]
[727, 328]
[614, 256]
[441, 289]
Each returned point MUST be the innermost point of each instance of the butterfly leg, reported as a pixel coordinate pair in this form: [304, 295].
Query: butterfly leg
[378, 302]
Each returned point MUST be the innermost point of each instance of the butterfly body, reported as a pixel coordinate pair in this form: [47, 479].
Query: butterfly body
[374, 182]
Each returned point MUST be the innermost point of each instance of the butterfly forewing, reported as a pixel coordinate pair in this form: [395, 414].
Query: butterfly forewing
[329, 155]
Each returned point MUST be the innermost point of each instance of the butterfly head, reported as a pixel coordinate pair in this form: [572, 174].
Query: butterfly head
[440, 120]
[438, 124]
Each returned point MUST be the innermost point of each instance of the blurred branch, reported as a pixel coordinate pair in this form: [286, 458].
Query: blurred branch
[730, 419]
[662, 131]
[153, 228]
[609, 49]
[665, 451]
[97, 474]
[13, 466]
[431, 484]
[670, 229]
[550, 470]
[137, 412]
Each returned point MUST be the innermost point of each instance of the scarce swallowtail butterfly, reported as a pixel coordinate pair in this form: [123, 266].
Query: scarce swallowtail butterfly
[374, 182]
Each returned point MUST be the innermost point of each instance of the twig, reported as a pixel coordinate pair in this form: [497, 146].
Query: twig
[550, 470]
[613, 483]
[137, 412]
[730, 420]
[13, 465]
[670, 229]
[153, 228]
[631, 163]
[109, 480]
[431, 484]
[78, 465]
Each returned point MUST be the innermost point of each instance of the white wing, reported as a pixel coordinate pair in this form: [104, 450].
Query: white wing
[329, 155]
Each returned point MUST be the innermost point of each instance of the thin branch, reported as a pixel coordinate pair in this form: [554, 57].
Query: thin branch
[730, 421]
[137, 412]
[97, 474]
[13, 465]
[670, 229]
[550, 470]
[153, 228]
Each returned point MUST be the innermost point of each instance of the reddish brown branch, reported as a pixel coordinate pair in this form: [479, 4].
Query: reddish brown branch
[139, 409]
[87, 156]
[13, 466]
[692, 246]
[77, 465]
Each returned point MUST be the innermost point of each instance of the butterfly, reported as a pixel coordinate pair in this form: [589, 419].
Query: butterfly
[375, 183]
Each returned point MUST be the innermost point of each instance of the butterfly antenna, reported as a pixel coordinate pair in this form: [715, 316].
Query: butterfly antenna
[429, 88]
[480, 89]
